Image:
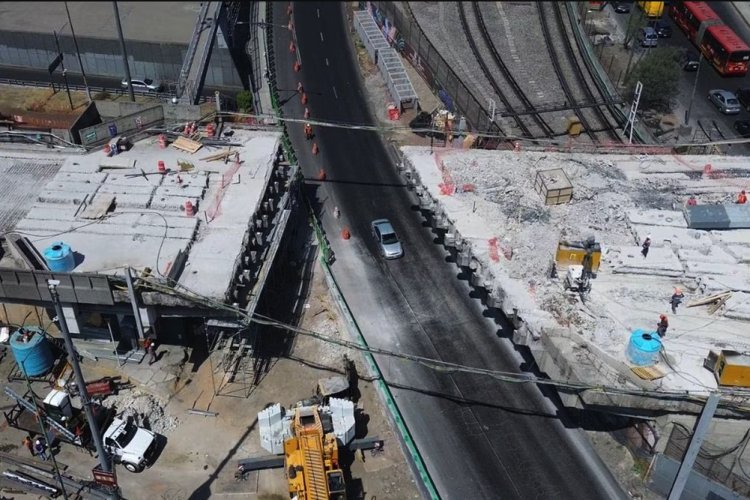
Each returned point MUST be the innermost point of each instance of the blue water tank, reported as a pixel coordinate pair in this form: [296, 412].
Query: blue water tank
[32, 351]
[644, 347]
[59, 257]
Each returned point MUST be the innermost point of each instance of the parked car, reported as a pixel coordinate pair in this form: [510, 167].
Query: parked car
[743, 95]
[743, 128]
[623, 7]
[390, 246]
[725, 101]
[662, 27]
[143, 84]
[648, 37]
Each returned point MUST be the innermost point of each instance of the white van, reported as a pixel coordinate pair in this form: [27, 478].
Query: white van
[648, 37]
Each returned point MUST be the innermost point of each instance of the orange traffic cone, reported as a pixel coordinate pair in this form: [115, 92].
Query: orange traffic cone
[289, 10]
[307, 113]
[296, 66]
[292, 48]
[315, 148]
[290, 26]
[303, 98]
[300, 88]
[322, 175]
[345, 233]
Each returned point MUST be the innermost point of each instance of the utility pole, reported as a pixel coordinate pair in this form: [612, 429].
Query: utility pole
[701, 429]
[78, 53]
[44, 431]
[124, 52]
[64, 72]
[695, 86]
[96, 434]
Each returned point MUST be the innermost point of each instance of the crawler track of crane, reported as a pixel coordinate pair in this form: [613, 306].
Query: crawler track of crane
[593, 119]
[542, 128]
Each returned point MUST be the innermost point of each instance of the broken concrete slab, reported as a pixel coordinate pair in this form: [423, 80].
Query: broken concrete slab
[660, 261]
[657, 217]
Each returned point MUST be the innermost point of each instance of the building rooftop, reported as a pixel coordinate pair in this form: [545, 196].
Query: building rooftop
[489, 198]
[163, 22]
[149, 226]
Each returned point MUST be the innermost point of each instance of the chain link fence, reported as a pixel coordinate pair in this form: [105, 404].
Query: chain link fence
[406, 36]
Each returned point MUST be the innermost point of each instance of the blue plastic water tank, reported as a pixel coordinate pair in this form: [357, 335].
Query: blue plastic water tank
[59, 257]
[32, 351]
[644, 347]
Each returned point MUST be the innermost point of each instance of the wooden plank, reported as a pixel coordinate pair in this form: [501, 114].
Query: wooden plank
[718, 304]
[99, 207]
[709, 299]
[188, 145]
[648, 372]
[218, 156]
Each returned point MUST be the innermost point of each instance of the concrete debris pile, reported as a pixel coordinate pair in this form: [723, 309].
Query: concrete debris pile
[146, 410]
[506, 196]
[491, 201]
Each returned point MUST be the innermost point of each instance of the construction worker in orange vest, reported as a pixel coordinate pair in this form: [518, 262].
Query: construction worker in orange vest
[308, 131]
[742, 198]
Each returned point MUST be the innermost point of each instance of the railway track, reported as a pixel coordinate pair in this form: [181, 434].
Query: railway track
[593, 119]
[543, 128]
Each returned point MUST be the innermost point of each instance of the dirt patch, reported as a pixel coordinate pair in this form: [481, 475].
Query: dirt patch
[46, 100]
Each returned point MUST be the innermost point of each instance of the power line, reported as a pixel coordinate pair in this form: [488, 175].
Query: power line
[435, 364]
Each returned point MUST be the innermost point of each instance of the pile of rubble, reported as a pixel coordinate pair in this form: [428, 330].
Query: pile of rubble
[146, 410]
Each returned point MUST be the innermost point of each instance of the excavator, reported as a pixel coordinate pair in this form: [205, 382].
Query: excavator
[311, 459]
[581, 259]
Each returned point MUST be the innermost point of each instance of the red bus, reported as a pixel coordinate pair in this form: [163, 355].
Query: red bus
[727, 52]
[693, 18]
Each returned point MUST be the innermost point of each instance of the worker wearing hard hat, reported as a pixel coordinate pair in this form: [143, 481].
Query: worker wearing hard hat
[742, 197]
[676, 299]
[662, 325]
[308, 131]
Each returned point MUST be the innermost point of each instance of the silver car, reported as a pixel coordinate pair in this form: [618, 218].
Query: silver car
[146, 84]
[725, 101]
[383, 232]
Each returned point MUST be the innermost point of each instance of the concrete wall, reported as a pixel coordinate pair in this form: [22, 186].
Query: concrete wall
[134, 121]
[103, 57]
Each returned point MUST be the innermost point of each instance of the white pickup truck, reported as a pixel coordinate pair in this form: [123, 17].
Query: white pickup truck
[132, 446]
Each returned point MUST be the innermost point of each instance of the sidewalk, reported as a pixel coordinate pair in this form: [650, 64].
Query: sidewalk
[743, 9]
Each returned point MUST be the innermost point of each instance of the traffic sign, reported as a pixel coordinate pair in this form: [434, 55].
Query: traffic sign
[55, 63]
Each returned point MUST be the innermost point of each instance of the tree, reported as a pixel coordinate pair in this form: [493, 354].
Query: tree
[659, 72]
[244, 101]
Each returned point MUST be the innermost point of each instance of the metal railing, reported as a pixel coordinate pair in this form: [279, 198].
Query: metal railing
[119, 91]
[190, 54]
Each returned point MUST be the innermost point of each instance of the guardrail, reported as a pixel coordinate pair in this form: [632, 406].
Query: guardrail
[165, 96]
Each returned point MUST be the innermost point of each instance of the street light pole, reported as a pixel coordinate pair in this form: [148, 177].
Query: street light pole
[78, 53]
[80, 381]
[124, 52]
[695, 86]
[64, 71]
[44, 430]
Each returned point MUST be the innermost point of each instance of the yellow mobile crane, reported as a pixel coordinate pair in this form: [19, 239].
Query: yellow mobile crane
[311, 459]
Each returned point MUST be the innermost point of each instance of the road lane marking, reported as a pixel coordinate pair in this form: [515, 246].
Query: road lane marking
[335, 93]
[321, 36]
[318, 10]
[327, 63]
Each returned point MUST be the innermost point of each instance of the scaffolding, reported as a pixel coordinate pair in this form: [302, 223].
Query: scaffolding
[232, 354]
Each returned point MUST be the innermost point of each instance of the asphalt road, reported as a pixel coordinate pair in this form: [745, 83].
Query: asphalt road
[480, 438]
[708, 77]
